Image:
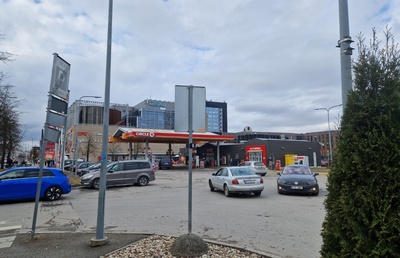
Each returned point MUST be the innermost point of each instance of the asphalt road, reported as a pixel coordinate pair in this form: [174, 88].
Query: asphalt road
[279, 225]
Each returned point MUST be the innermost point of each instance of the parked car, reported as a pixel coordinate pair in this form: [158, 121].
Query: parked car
[324, 163]
[68, 164]
[91, 168]
[73, 166]
[21, 183]
[256, 166]
[236, 180]
[127, 172]
[164, 163]
[82, 166]
[297, 179]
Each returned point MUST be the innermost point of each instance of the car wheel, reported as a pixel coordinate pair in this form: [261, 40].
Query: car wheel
[96, 183]
[263, 174]
[142, 181]
[212, 189]
[53, 193]
[257, 193]
[226, 191]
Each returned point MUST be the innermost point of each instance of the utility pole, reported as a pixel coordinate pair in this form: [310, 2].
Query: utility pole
[345, 50]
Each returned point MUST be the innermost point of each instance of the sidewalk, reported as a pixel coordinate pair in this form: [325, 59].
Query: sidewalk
[66, 245]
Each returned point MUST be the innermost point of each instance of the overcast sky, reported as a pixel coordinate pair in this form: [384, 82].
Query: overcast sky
[273, 62]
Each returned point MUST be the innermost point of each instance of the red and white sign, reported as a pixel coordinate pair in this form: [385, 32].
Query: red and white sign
[144, 134]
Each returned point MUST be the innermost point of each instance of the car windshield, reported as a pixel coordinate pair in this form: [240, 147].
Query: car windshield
[297, 170]
[241, 171]
[94, 166]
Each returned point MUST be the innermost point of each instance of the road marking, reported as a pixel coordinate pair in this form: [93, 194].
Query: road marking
[10, 228]
[6, 241]
[8, 233]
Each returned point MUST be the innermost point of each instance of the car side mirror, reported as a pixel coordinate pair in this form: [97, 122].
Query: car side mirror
[213, 174]
[316, 174]
[279, 173]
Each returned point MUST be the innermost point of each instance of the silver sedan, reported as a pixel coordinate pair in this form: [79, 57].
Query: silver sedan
[236, 180]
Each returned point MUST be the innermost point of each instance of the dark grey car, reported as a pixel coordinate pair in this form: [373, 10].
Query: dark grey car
[297, 179]
[82, 166]
[127, 172]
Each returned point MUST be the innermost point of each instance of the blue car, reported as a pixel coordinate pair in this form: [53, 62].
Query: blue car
[21, 183]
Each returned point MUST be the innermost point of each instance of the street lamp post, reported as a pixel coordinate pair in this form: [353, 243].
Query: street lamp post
[329, 131]
[77, 131]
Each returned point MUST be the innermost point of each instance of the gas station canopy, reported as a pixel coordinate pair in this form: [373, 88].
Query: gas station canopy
[164, 136]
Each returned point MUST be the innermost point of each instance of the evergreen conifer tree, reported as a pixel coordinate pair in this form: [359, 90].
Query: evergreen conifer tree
[363, 203]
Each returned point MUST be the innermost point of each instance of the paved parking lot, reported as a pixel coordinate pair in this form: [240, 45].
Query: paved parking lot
[282, 225]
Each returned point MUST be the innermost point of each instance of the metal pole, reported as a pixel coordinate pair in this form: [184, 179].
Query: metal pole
[330, 139]
[329, 130]
[127, 116]
[218, 156]
[39, 185]
[76, 136]
[32, 154]
[345, 50]
[190, 88]
[100, 239]
[62, 141]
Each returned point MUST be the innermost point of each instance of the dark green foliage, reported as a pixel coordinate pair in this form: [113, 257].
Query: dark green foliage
[363, 204]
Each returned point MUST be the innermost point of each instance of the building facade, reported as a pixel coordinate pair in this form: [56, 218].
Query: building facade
[320, 137]
[153, 114]
[158, 114]
[269, 151]
[217, 117]
[87, 116]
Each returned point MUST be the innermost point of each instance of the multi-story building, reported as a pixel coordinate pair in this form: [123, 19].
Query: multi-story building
[323, 138]
[87, 116]
[154, 114]
[217, 117]
[158, 114]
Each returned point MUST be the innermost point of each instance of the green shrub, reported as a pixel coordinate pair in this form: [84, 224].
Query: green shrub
[363, 204]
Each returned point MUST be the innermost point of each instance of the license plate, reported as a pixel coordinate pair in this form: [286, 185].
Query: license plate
[297, 187]
[249, 181]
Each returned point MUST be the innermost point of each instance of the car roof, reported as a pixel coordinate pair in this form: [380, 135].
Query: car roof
[32, 168]
[133, 160]
[88, 162]
[236, 167]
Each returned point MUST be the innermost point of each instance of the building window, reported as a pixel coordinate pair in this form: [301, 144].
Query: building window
[214, 118]
[156, 119]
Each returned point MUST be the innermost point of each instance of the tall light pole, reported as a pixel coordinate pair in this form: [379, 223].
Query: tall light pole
[77, 130]
[345, 50]
[329, 131]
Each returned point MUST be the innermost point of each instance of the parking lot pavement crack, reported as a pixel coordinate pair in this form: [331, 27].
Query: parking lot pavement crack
[58, 216]
[206, 229]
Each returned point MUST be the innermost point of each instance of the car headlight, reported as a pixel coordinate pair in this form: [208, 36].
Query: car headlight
[87, 176]
[281, 181]
[311, 182]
